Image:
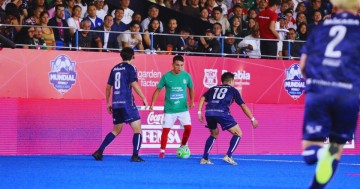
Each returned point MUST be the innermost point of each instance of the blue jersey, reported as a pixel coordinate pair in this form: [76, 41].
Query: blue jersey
[121, 77]
[219, 99]
[333, 55]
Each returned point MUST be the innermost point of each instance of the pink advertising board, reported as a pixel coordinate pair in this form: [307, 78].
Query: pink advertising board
[52, 102]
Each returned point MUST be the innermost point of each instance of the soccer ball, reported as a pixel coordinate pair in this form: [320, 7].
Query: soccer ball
[183, 152]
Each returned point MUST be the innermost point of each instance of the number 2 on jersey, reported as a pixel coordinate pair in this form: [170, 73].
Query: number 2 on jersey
[338, 32]
[219, 93]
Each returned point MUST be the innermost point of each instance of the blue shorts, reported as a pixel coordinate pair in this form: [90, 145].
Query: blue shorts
[330, 115]
[226, 122]
[125, 115]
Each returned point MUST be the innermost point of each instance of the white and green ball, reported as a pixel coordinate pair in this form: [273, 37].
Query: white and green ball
[183, 152]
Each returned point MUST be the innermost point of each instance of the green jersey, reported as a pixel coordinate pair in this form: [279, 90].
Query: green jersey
[176, 93]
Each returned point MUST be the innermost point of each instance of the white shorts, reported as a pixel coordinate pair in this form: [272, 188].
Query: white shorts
[170, 119]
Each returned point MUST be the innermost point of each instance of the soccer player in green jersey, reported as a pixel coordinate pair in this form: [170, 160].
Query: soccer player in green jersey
[175, 82]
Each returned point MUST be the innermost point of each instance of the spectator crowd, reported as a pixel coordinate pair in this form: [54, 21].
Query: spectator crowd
[237, 26]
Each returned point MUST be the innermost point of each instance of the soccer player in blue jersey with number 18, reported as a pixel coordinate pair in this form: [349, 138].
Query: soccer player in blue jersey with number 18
[331, 64]
[219, 99]
[123, 77]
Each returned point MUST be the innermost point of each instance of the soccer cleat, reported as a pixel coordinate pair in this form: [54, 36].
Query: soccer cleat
[204, 161]
[324, 169]
[98, 155]
[136, 158]
[162, 155]
[229, 160]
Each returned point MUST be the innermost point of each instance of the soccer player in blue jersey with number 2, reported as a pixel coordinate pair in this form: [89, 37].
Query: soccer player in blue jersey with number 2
[123, 77]
[219, 99]
[331, 63]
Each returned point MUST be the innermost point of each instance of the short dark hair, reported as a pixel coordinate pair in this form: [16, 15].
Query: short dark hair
[178, 58]
[133, 23]
[274, 2]
[127, 53]
[58, 6]
[227, 76]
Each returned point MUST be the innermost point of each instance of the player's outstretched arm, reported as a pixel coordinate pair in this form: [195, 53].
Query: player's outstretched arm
[248, 113]
[201, 103]
[107, 95]
[138, 91]
[153, 99]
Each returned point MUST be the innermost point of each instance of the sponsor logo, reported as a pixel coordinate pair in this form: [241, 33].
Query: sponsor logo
[152, 130]
[294, 83]
[63, 74]
[210, 78]
[148, 78]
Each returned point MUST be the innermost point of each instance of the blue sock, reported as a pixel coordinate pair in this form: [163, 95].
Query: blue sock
[137, 138]
[233, 144]
[316, 185]
[310, 154]
[108, 139]
[208, 145]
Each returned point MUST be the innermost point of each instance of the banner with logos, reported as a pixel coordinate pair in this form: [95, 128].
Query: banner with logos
[83, 75]
[53, 102]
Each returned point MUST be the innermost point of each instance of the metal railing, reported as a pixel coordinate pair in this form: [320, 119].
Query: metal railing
[152, 50]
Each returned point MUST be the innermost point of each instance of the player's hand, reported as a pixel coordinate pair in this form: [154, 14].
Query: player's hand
[109, 109]
[255, 124]
[192, 104]
[200, 117]
[145, 103]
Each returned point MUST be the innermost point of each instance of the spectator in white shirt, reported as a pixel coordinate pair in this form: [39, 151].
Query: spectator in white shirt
[251, 44]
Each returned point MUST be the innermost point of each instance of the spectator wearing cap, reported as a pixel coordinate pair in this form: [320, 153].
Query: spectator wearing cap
[95, 20]
[127, 18]
[295, 46]
[250, 46]
[152, 14]
[267, 19]
[108, 39]
[209, 44]
[218, 17]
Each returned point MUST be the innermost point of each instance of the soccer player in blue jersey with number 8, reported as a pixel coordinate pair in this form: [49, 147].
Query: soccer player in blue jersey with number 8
[219, 99]
[123, 77]
[331, 63]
